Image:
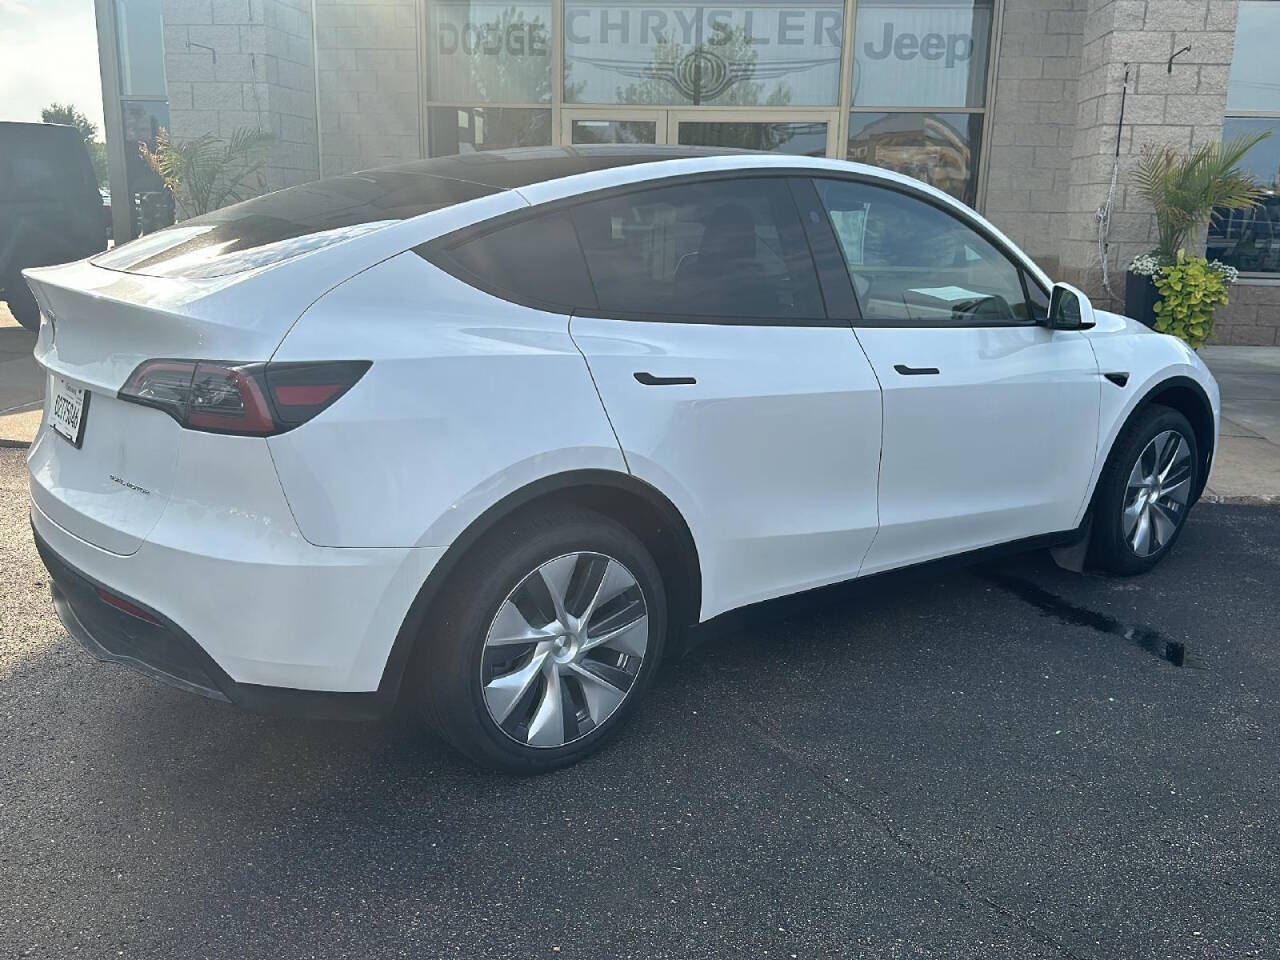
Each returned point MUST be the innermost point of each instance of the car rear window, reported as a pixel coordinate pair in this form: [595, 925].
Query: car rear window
[288, 223]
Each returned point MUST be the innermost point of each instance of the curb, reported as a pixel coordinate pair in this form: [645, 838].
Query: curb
[14, 444]
[1241, 501]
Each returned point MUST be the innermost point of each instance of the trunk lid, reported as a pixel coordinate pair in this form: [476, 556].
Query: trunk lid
[100, 325]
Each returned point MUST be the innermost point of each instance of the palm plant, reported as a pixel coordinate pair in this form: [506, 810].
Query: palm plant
[208, 172]
[1186, 189]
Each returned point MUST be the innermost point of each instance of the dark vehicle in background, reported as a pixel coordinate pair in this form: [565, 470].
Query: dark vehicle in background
[50, 208]
[1247, 239]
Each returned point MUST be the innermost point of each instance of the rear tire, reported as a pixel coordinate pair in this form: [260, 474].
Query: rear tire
[546, 638]
[1145, 492]
[22, 304]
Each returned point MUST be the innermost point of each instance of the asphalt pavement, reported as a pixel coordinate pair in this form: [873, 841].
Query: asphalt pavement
[1001, 761]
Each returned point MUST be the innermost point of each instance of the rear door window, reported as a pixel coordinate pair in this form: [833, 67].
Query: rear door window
[724, 251]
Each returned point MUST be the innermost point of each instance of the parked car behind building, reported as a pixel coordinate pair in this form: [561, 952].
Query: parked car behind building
[50, 208]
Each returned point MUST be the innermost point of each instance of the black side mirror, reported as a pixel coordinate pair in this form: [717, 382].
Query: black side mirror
[1069, 309]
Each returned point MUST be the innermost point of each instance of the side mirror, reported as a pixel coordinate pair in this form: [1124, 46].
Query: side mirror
[1069, 309]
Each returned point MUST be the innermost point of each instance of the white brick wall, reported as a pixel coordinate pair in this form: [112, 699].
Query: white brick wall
[1033, 118]
[369, 83]
[263, 76]
[1060, 72]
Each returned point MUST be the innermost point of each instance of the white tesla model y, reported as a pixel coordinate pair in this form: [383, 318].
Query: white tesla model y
[487, 431]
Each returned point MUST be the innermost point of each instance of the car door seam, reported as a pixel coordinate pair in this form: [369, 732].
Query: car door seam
[591, 373]
[880, 453]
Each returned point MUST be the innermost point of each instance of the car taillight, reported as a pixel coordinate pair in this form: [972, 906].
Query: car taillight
[249, 399]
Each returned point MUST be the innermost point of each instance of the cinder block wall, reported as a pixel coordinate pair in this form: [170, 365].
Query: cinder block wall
[1060, 74]
[1033, 117]
[1182, 108]
[370, 83]
[262, 76]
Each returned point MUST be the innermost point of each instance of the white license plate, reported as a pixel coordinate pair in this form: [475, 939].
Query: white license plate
[67, 413]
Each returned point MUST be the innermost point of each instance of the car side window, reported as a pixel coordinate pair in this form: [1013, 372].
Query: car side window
[535, 261]
[727, 251]
[916, 264]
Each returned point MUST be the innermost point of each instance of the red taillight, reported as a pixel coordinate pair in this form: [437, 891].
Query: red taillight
[247, 399]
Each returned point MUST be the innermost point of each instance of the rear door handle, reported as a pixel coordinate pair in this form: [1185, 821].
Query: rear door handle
[906, 371]
[649, 380]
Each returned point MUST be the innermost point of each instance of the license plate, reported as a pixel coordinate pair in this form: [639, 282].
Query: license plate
[67, 413]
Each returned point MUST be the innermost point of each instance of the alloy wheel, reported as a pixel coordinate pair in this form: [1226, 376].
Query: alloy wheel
[564, 649]
[1155, 500]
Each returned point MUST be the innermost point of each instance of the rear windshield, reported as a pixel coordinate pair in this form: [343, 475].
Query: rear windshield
[288, 223]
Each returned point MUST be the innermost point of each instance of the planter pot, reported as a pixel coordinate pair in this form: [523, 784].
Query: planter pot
[1140, 298]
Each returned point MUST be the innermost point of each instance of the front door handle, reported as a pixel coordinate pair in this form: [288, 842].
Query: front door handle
[649, 380]
[906, 371]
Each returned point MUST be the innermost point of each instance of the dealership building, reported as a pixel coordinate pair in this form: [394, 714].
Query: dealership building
[1013, 106]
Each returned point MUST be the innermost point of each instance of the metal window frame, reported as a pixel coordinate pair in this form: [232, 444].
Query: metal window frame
[668, 116]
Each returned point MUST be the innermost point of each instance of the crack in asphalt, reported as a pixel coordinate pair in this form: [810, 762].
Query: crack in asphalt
[869, 815]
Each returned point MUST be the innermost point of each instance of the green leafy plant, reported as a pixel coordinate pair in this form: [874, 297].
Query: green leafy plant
[1191, 289]
[1185, 189]
[208, 172]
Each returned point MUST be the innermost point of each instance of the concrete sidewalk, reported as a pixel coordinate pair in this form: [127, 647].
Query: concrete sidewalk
[21, 383]
[1247, 467]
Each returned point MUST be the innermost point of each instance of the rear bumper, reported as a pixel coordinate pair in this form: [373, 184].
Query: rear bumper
[272, 626]
[150, 643]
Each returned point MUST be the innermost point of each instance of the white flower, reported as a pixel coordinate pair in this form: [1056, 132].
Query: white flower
[1229, 273]
[1145, 265]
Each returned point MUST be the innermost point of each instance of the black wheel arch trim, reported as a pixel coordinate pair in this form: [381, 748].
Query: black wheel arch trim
[1204, 429]
[683, 608]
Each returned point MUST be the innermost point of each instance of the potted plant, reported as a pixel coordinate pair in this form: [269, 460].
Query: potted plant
[1184, 190]
[209, 172]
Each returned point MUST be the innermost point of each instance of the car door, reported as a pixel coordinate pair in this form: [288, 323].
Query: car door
[990, 418]
[730, 385]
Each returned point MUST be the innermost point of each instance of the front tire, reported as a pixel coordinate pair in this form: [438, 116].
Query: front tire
[546, 639]
[1145, 491]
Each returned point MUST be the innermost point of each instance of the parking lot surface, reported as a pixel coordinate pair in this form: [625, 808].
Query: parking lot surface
[1001, 761]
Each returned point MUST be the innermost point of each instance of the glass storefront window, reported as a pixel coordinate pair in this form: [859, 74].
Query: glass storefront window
[914, 89]
[1254, 84]
[939, 148]
[767, 53]
[801, 139]
[496, 52]
[916, 53]
[453, 130]
[1249, 240]
[614, 131]
[140, 36]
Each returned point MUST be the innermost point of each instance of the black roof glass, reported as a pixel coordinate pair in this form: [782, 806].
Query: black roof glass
[300, 219]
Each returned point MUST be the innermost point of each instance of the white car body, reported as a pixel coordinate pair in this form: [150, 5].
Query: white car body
[798, 458]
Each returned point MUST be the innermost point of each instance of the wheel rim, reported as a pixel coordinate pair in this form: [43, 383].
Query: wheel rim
[1155, 501]
[564, 649]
